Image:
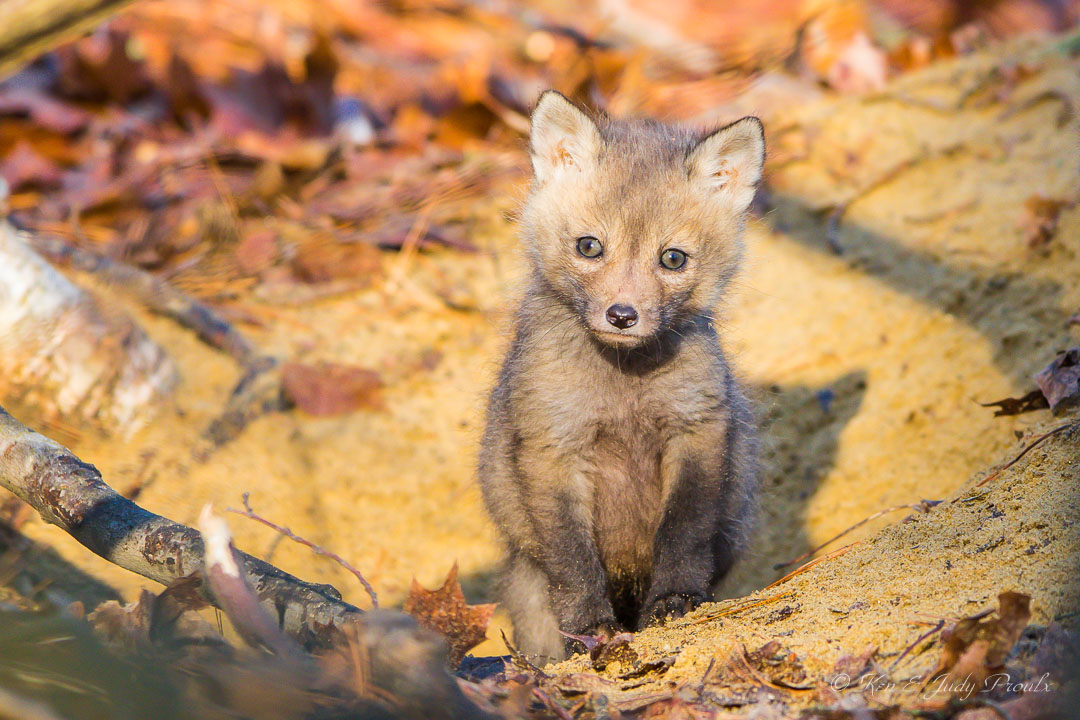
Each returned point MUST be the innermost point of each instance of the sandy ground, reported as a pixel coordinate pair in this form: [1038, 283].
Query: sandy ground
[867, 355]
[888, 591]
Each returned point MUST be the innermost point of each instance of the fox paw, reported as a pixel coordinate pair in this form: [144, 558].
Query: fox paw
[669, 607]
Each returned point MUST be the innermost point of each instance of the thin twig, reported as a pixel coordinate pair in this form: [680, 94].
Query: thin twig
[233, 594]
[1024, 452]
[519, 659]
[912, 646]
[317, 549]
[747, 606]
[812, 563]
[922, 506]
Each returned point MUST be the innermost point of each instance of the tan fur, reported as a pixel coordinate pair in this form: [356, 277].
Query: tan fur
[618, 462]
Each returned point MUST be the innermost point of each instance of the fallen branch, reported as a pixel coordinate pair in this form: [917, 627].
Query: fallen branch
[317, 549]
[71, 494]
[62, 353]
[157, 295]
[258, 391]
[31, 27]
[256, 394]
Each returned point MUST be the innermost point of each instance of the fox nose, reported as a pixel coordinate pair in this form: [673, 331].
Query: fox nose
[622, 316]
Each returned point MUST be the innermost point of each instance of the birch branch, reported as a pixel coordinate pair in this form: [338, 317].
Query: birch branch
[31, 27]
[71, 495]
[65, 354]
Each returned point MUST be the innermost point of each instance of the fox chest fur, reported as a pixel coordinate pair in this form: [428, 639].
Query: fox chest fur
[618, 457]
[608, 421]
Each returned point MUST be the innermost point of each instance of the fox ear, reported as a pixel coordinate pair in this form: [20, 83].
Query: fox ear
[562, 136]
[730, 160]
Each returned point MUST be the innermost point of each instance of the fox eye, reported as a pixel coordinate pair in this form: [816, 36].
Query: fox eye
[673, 259]
[589, 247]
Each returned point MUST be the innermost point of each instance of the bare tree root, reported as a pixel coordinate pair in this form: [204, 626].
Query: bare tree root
[71, 494]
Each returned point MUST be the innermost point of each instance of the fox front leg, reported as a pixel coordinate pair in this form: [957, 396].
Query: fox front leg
[692, 548]
[567, 554]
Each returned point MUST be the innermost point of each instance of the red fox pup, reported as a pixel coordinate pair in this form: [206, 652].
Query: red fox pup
[619, 457]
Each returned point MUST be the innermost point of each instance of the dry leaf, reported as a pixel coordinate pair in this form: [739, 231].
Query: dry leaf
[44, 111]
[331, 389]
[617, 650]
[185, 92]
[322, 259]
[835, 47]
[1060, 380]
[977, 646]
[24, 168]
[853, 666]
[124, 625]
[445, 611]
[1034, 400]
[860, 67]
[100, 67]
[256, 252]
[1041, 219]
[675, 708]
[779, 666]
[14, 513]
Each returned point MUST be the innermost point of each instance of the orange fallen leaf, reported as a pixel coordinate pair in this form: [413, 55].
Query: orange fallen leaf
[976, 646]
[445, 611]
[331, 389]
[322, 259]
[256, 252]
[24, 167]
[1041, 219]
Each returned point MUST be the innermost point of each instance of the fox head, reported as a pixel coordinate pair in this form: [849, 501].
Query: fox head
[636, 226]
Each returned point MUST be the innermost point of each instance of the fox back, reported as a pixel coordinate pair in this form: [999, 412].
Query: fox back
[618, 457]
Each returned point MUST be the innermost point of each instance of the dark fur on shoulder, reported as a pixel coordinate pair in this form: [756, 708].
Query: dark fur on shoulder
[619, 461]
